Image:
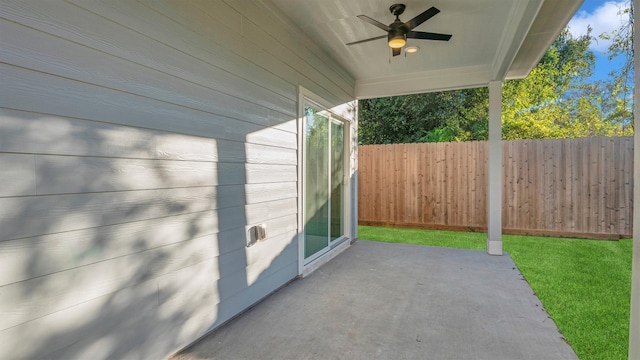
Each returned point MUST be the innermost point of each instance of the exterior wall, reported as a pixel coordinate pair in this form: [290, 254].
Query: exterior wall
[138, 141]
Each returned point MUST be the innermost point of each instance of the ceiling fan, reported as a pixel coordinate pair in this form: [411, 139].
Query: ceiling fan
[398, 31]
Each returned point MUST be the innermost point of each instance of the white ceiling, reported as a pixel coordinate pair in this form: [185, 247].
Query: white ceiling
[492, 40]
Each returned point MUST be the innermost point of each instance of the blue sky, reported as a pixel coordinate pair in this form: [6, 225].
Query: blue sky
[602, 16]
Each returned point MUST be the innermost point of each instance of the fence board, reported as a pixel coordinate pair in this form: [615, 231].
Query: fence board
[566, 187]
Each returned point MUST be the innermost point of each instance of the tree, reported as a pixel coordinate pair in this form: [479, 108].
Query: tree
[540, 105]
[398, 119]
[439, 116]
[619, 102]
[464, 116]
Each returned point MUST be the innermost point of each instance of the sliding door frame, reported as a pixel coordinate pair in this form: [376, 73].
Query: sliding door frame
[305, 97]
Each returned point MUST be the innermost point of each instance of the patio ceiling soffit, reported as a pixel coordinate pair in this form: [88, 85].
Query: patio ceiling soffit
[492, 40]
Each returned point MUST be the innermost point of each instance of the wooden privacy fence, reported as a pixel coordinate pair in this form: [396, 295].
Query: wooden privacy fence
[561, 187]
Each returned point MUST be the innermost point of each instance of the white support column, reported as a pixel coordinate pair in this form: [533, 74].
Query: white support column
[634, 326]
[494, 215]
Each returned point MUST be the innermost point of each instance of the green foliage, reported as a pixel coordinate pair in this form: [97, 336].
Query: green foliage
[597, 110]
[585, 285]
[439, 116]
[463, 116]
[619, 103]
[537, 107]
[399, 119]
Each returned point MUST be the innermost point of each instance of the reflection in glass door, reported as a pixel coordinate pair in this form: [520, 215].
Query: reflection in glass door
[316, 182]
[323, 182]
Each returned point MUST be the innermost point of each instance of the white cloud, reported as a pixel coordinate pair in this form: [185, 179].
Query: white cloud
[605, 18]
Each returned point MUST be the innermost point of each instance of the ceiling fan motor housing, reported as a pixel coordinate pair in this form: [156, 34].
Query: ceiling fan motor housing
[397, 37]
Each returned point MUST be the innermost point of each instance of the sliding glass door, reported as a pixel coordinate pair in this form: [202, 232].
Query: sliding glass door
[324, 178]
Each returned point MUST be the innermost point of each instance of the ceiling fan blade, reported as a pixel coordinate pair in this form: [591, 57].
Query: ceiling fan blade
[426, 15]
[396, 51]
[365, 40]
[375, 23]
[428, 36]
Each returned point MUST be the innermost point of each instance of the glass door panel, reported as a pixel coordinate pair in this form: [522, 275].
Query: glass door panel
[324, 181]
[337, 180]
[316, 229]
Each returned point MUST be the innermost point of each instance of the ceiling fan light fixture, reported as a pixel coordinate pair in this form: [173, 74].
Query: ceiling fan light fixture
[397, 41]
[412, 49]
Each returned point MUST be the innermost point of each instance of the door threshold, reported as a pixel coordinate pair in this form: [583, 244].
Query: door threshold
[317, 263]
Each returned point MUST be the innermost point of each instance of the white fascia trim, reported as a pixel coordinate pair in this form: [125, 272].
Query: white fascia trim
[549, 36]
[520, 20]
[422, 82]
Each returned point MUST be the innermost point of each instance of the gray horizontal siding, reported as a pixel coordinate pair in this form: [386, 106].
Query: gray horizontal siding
[134, 315]
[34, 133]
[97, 103]
[52, 55]
[17, 176]
[68, 250]
[96, 32]
[138, 141]
[106, 277]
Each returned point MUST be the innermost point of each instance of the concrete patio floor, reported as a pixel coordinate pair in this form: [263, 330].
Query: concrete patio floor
[395, 301]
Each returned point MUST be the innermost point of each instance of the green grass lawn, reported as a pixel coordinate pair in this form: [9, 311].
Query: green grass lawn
[585, 285]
